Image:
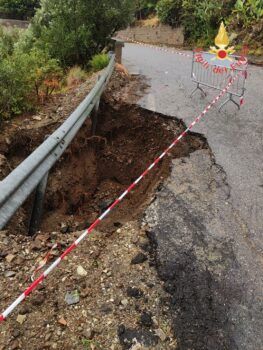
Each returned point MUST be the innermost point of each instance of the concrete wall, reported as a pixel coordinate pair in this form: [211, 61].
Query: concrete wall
[13, 23]
[161, 34]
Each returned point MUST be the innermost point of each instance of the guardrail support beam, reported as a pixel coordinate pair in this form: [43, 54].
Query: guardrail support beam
[94, 115]
[119, 44]
[38, 205]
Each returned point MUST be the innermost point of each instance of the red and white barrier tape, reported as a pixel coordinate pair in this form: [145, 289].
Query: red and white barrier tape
[117, 201]
[159, 48]
[43, 262]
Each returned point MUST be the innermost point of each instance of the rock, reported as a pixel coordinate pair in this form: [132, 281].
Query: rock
[72, 297]
[62, 321]
[139, 259]
[21, 319]
[106, 309]
[48, 336]
[88, 333]
[3, 255]
[37, 299]
[6, 241]
[82, 226]
[9, 258]
[37, 118]
[25, 310]
[64, 228]
[81, 271]
[15, 345]
[160, 333]
[130, 337]
[133, 292]
[10, 274]
[105, 204]
[36, 245]
[124, 302]
[145, 245]
[16, 333]
[8, 141]
[85, 292]
[146, 319]
[137, 346]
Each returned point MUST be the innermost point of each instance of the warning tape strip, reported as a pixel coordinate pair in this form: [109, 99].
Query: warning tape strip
[242, 61]
[159, 48]
[74, 245]
[44, 261]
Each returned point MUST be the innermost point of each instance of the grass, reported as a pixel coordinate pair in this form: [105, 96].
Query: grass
[90, 345]
[76, 75]
[99, 61]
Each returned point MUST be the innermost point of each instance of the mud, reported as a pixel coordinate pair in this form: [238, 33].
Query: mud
[90, 175]
[97, 169]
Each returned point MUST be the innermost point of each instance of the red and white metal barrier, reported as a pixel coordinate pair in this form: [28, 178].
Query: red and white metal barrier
[74, 245]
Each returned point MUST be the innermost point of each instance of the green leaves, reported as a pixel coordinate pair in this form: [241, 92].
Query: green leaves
[18, 9]
[74, 30]
[202, 18]
[25, 78]
[170, 11]
[99, 61]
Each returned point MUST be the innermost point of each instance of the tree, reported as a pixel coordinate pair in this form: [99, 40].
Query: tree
[74, 30]
[144, 8]
[18, 9]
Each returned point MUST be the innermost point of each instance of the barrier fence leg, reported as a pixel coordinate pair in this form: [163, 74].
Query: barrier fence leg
[38, 206]
[230, 98]
[198, 87]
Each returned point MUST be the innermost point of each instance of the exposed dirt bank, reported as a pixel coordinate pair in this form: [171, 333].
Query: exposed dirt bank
[120, 298]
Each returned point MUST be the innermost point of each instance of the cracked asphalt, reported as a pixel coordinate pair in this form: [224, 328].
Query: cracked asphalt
[206, 221]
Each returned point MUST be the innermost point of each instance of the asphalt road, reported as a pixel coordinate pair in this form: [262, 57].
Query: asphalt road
[207, 220]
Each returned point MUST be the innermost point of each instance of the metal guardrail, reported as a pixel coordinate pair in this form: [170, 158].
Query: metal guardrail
[32, 173]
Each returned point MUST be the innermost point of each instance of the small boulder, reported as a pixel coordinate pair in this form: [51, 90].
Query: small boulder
[140, 258]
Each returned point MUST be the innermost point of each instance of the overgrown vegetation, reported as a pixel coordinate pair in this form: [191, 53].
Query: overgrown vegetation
[18, 9]
[99, 61]
[62, 34]
[75, 76]
[65, 34]
[26, 77]
[201, 19]
[144, 8]
[74, 31]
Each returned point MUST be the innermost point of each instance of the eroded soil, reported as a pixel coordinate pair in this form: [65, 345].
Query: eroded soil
[119, 300]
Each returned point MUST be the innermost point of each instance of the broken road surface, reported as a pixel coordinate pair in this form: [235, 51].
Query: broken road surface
[206, 221]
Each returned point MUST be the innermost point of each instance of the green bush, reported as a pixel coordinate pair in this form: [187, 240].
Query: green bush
[247, 12]
[170, 11]
[73, 31]
[26, 78]
[43, 73]
[14, 88]
[8, 38]
[201, 19]
[18, 9]
[99, 61]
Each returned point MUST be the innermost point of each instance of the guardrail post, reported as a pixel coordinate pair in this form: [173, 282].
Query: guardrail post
[119, 44]
[38, 206]
[94, 115]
